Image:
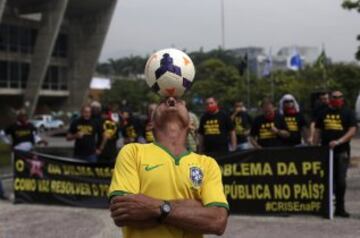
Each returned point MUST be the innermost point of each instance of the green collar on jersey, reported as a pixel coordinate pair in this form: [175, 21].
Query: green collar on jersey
[176, 158]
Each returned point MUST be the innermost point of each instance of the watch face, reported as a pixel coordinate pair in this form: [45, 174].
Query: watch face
[166, 208]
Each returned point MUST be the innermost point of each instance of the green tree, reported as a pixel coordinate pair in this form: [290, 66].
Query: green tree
[217, 79]
[134, 94]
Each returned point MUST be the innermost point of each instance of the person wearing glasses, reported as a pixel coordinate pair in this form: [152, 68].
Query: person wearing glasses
[335, 127]
[294, 119]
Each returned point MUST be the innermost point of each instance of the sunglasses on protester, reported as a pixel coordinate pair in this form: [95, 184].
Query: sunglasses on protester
[337, 97]
[288, 101]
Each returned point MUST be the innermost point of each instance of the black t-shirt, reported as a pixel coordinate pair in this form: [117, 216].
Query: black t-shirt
[215, 129]
[294, 124]
[317, 111]
[242, 123]
[111, 129]
[21, 133]
[86, 145]
[261, 129]
[334, 123]
[132, 129]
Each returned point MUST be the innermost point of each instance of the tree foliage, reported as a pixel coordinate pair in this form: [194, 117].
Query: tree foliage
[217, 75]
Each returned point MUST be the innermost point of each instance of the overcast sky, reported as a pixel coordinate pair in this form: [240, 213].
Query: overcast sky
[140, 27]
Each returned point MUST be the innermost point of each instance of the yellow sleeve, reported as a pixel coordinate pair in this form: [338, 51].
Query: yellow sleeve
[212, 191]
[125, 179]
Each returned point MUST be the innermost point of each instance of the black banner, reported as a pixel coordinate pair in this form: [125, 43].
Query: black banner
[46, 179]
[278, 181]
[268, 181]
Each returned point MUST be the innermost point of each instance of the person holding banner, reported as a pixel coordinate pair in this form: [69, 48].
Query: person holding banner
[85, 131]
[294, 119]
[22, 133]
[161, 189]
[268, 129]
[336, 126]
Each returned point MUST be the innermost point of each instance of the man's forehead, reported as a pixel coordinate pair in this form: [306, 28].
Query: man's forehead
[337, 93]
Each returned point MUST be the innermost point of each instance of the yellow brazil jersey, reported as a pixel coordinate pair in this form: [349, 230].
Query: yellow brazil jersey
[152, 170]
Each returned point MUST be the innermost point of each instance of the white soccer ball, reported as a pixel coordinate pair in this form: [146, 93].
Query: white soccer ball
[169, 72]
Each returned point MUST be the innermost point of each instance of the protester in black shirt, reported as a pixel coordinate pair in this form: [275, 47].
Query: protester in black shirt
[321, 105]
[216, 130]
[85, 131]
[242, 122]
[294, 119]
[23, 133]
[23, 137]
[107, 150]
[336, 126]
[268, 129]
[131, 128]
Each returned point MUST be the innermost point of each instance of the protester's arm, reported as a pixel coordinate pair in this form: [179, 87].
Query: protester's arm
[312, 132]
[351, 124]
[103, 142]
[346, 138]
[316, 137]
[254, 142]
[73, 134]
[281, 130]
[231, 129]
[4, 137]
[351, 132]
[254, 132]
[38, 140]
[233, 140]
[305, 134]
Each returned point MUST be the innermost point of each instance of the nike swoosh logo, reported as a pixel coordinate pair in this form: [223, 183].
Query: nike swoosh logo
[149, 168]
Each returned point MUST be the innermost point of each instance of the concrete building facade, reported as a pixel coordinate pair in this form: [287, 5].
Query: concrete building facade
[49, 50]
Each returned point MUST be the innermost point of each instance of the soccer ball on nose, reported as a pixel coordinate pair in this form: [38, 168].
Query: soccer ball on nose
[169, 72]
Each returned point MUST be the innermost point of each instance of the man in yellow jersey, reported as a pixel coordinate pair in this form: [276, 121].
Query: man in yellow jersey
[162, 190]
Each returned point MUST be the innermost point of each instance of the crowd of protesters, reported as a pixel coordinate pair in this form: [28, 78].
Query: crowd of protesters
[97, 130]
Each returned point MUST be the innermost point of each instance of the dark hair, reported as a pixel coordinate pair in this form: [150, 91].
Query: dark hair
[266, 101]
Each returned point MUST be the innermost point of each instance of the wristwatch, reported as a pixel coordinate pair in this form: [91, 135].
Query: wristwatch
[165, 210]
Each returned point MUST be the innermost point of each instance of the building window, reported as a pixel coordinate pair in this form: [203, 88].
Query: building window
[4, 74]
[56, 78]
[13, 74]
[60, 49]
[17, 39]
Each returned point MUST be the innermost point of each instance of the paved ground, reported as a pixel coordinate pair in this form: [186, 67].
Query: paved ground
[22, 221]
